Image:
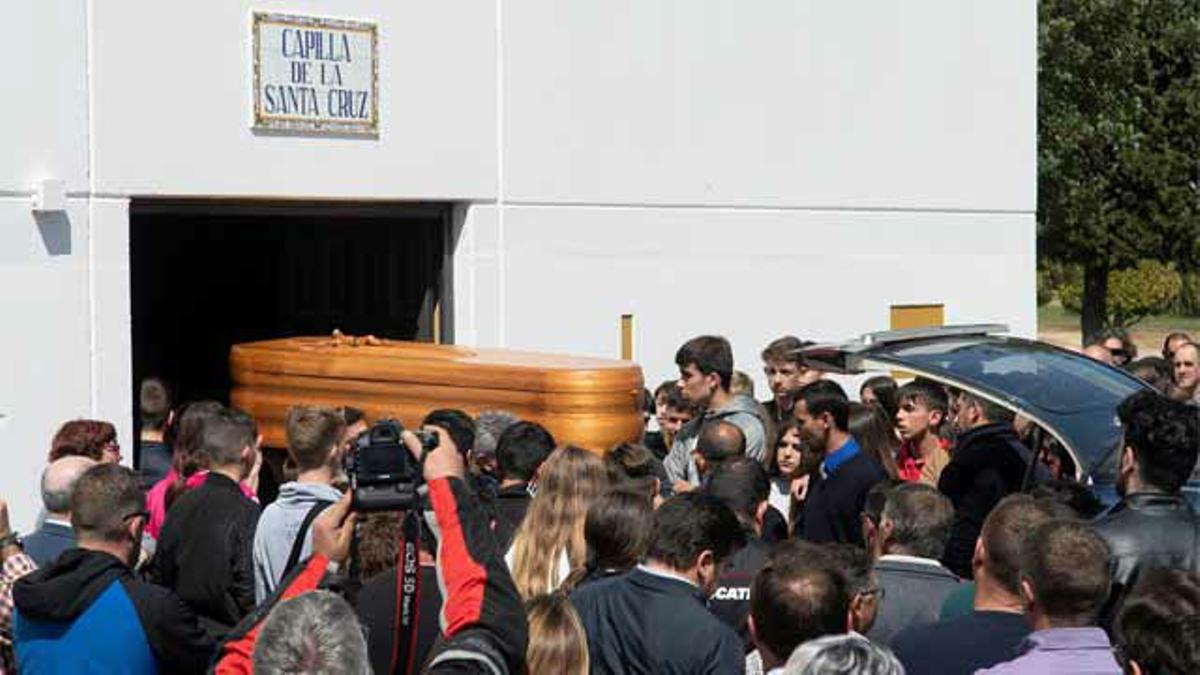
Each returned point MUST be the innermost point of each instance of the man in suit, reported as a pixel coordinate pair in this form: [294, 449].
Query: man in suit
[55, 535]
[914, 528]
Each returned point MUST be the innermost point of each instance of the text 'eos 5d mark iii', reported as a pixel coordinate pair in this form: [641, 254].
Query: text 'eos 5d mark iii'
[384, 475]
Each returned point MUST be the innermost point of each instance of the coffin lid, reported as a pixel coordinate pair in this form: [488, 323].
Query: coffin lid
[422, 363]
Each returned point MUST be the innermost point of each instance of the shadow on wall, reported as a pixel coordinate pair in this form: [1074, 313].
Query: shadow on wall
[55, 227]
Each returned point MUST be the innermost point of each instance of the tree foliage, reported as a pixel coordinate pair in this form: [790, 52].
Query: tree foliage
[1118, 137]
[1133, 293]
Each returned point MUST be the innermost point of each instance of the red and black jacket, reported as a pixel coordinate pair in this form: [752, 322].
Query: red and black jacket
[483, 619]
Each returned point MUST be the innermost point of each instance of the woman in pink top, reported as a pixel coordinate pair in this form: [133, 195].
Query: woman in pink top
[188, 464]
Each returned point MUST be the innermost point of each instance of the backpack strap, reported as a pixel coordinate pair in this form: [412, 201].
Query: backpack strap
[298, 544]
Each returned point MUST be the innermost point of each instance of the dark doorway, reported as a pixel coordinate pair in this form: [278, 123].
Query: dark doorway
[206, 274]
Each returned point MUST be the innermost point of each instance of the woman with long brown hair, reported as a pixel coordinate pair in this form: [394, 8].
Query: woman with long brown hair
[557, 641]
[617, 529]
[876, 435]
[550, 542]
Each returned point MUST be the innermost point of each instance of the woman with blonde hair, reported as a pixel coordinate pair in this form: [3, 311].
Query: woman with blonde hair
[550, 543]
[557, 641]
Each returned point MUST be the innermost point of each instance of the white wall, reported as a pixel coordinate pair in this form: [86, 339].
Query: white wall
[751, 275]
[754, 169]
[172, 82]
[45, 343]
[799, 103]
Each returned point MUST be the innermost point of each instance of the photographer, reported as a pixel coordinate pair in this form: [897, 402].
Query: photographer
[483, 622]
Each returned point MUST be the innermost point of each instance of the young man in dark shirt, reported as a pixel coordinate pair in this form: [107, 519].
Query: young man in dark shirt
[837, 491]
[743, 486]
[991, 633]
[206, 547]
[519, 453]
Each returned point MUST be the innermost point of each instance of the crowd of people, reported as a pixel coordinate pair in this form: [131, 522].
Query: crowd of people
[913, 530]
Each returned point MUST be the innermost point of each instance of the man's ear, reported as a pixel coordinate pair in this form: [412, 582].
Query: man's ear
[1027, 594]
[1128, 461]
[886, 528]
[980, 554]
[936, 417]
[1134, 668]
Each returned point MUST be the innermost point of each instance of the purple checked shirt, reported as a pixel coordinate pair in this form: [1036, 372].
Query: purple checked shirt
[1061, 651]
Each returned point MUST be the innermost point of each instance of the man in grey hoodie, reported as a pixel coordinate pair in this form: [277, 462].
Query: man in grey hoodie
[705, 370]
[314, 444]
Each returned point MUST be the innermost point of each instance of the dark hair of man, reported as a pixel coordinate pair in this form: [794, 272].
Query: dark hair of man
[689, 524]
[796, 598]
[521, 450]
[618, 528]
[992, 412]
[379, 535]
[742, 485]
[855, 564]
[720, 441]
[1157, 626]
[351, 415]
[649, 407]
[1004, 532]
[1152, 370]
[785, 350]
[663, 388]
[154, 404]
[886, 393]
[313, 433]
[104, 499]
[710, 354]
[927, 393]
[1074, 495]
[631, 466]
[827, 396]
[921, 519]
[457, 423]
[1173, 336]
[1164, 435]
[1068, 566]
[876, 498]
[225, 435]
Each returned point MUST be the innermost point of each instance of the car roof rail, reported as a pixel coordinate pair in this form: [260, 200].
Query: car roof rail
[903, 335]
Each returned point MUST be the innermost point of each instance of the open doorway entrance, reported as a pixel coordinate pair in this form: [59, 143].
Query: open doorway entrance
[206, 274]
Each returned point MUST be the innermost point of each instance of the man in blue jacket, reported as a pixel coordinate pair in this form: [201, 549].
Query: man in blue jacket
[87, 612]
[654, 619]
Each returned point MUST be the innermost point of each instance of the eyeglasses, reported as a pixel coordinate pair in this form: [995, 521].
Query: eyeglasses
[873, 590]
[137, 514]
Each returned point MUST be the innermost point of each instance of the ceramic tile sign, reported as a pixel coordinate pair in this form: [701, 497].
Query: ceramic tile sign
[315, 75]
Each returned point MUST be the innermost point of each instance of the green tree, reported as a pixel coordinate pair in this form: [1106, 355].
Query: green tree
[1133, 294]
[1118, 138]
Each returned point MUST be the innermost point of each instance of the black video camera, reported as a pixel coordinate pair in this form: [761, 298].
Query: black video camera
[384, 476]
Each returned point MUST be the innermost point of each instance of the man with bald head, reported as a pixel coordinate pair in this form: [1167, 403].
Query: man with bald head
[55, 535]
[718, 443]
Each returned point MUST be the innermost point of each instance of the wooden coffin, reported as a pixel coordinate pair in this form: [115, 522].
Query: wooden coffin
[593, 403]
